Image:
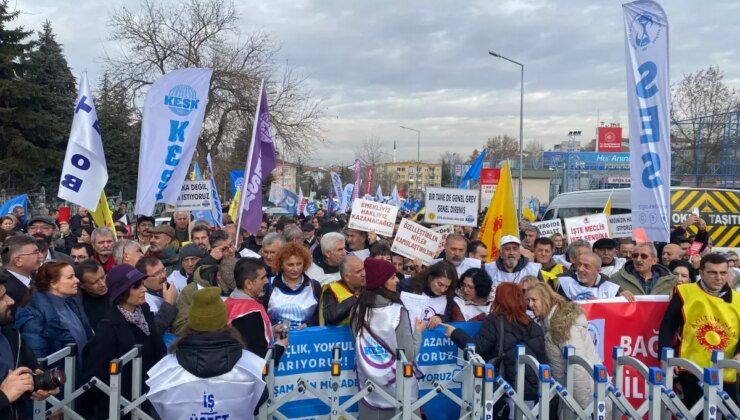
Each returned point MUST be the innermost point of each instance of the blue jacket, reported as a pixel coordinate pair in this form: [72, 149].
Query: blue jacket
[41, 328]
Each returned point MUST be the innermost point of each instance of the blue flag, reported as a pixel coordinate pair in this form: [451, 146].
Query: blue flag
[473, 173]
[290, 201]
[237, 177]
[216, 212]
[20, 200]
[311, 208]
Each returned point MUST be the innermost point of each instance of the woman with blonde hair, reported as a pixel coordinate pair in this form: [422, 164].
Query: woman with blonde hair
[564, 324]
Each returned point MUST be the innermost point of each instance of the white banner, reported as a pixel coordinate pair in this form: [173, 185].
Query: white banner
[451, 206]
[549, 227]
[415, 241]
[369, 215]
[444, 231]
[172, 117]
[620, 225]
[84, 173]
[195, 196]
[591, 227]
[648, 104]
[486, 194]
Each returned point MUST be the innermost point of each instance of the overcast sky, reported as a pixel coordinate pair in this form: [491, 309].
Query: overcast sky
[377, 64]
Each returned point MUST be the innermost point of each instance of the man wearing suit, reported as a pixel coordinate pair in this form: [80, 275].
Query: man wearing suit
[21, 257]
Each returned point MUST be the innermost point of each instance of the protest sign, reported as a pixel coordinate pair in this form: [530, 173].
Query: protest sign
[443, 230]
[590, 228]
[639, 337]
[451, 206]
[488, 181]
[194, 196]
[620, 225]
[549, 227]
[369, 215]
[415, 241]
[415, 304]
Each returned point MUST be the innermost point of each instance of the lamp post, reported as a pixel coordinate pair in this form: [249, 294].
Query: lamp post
[521, 126]
[418, 160]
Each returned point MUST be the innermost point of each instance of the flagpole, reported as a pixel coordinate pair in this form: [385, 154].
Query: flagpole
[240, 209]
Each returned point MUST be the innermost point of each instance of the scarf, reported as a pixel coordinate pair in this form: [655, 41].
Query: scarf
[718, 293]
[136, 317]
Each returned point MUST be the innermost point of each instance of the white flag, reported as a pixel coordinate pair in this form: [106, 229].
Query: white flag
[395, 198]
[84, 173]
[379, 195]
[277, 193]
[173, 115]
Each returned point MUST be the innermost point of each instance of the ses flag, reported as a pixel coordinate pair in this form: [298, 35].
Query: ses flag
[173, 115]
[260, 162]
[648, 104]
[84, 173]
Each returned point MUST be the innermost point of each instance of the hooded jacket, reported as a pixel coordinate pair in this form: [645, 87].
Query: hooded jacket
[628, 279]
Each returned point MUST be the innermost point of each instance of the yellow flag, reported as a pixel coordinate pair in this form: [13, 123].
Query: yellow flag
[234, 206]
[500, 218]
[419, 217]
[608, 206]
[528, 215]
[102, 216]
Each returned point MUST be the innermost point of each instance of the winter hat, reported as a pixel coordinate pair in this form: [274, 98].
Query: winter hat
[377, 272]
[191, 250]
[208, 311]
[121, 278]
[166, 229]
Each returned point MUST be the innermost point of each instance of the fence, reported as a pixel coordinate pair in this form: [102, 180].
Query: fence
[482, 388]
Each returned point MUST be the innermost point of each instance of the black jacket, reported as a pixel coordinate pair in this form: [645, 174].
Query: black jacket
[334, 313]
[487, 345]
[115, 337]
[318, 259]
[13, 287]
[22, 356]
[95, 307]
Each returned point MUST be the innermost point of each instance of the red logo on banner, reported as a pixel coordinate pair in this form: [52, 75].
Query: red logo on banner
[490, 176]
[610, 139]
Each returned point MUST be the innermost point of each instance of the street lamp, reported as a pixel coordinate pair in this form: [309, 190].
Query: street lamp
[418, 160]
[521, 125]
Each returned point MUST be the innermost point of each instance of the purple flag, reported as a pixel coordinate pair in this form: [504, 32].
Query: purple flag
[358, 179]
[260, 162]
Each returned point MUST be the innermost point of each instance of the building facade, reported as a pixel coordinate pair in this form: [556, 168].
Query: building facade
[411, 177]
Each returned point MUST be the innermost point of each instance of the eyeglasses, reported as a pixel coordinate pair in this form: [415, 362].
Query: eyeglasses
[37, 252]
[409, 267]
[158, 273]
[642, 256]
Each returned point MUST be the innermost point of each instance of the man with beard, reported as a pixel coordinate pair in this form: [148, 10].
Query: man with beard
[511, 266]
[144, 225]
[606, 248]
[456, 251]
[247, 313]
[43, 229]
[21, 258]
[103, 240]
[199, 236]
[254, 242]
[164, 245]
[588, 283]
[16, 358]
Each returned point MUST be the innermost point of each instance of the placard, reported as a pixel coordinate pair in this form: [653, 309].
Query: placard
[195, 196]
[620, 225]
[488, 181]
[451, 206]
[369, 215]
[590, 228]
[549, 227]
[415, 241]
[444, 230]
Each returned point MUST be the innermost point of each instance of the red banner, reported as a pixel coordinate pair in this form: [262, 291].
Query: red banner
[369, 180]
[639, 336]
[610, 139]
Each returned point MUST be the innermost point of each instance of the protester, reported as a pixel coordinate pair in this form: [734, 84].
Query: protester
[575, 248]
[626, 247]
[160, 295]
[129, 322]
[473, 298]
[511, 266]
[16, 361]
[397, 261]
[357, 243]
[144, 225]
[102, 241]
[212, 354]
[247, 313]
[52, 318]
[293, 233]
[683, 270]
[606, 249]
[670, 253]
[478, 250]
[506, 326]
[338, 297]
[381, 250]
[199, 237]
[531, 233]
[643, 275]
[127, 251]
[701, 318]
[543, 255]
[438, 283]
[189, 255]
[588, 284]
[271, 245]
[8, 223]
[93, 293]
[564, 324]
[309, 236]
[21, 258]
[380, 318]
[559, 243]
[81, 252]
[221, 243]
[293, 296]
[325, 266]
[208, 275]
[254, 242]
[181, 225]
[43, 229]
[456, 249]
[164, 245]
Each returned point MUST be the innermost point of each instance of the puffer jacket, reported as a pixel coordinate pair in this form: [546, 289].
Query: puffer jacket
[566, 325]
[487, 345]
[203, 276]
[627, 279]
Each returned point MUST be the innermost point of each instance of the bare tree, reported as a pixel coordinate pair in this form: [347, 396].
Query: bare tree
[371, 151]
[449, 160]
[162, 36]
[699, 106]
[503, 147]
[533, 151]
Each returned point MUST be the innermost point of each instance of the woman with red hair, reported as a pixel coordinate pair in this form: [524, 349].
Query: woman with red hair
[506, 326]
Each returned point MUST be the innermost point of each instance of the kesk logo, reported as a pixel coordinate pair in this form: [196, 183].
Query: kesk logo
[712, 335]
[644, 30]
[181, 100]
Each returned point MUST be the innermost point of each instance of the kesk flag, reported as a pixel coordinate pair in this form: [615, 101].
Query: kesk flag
[648, 106]
[347, 195]
[260, 162]
[172, 118]
[102, 215]
[500, 218]
[336, 182]
[84, 173]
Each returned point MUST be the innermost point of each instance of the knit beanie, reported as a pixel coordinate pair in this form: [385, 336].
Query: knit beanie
[208, 311]
[377, 272]
[191, 250]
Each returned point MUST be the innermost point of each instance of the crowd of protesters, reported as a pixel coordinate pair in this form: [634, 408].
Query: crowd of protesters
[228, 296]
